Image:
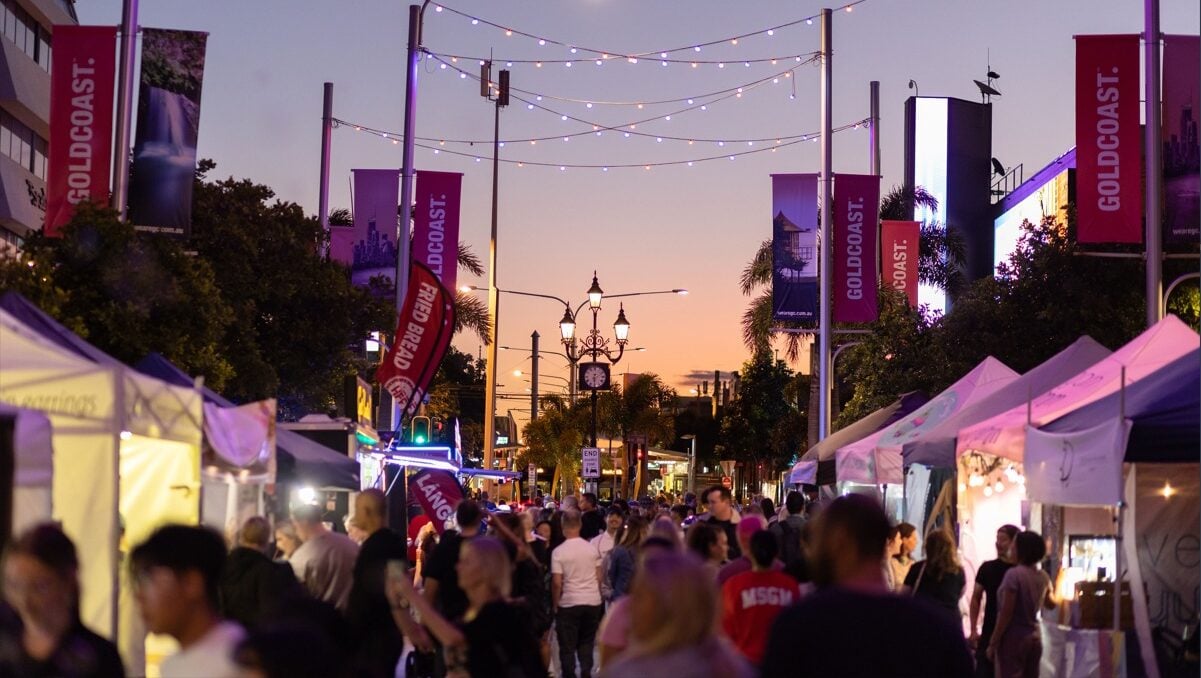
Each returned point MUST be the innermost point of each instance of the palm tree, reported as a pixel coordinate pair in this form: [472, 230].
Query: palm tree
[644, 408]
[555, 439]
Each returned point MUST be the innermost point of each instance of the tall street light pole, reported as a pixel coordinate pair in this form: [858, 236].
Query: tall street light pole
[502, 99]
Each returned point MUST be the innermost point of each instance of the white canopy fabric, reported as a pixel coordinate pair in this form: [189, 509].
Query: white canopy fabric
[126, 445]
[1077, 468]
[936, 447]
[877, 458]
[1004, 435]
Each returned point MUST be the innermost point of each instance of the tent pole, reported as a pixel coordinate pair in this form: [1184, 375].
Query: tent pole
[1117, 551]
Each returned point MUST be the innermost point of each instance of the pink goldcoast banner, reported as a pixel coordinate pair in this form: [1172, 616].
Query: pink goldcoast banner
[1108, 153]
[369, 247]
[436, 224]
[856, 216]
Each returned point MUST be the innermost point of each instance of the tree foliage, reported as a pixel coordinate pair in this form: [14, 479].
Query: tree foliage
[766, 422]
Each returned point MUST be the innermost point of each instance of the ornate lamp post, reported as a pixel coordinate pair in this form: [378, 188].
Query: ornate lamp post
[594, 375]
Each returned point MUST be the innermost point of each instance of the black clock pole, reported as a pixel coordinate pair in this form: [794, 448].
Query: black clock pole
[594, 417]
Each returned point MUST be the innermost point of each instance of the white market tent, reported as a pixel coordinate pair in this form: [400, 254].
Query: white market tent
[127, 460]
[1004, 435]
[877, 457]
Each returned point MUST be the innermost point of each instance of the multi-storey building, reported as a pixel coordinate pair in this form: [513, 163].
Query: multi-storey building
[25, 54]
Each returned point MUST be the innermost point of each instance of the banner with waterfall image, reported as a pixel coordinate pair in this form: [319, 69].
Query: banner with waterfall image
[794, 247]
[164, 151]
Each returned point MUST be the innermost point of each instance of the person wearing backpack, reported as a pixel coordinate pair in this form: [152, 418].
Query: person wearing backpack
[787, 532]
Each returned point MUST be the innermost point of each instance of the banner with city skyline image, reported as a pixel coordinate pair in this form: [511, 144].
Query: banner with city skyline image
[164, 151]
[794, 248]
[369, 247]
[1181, 150]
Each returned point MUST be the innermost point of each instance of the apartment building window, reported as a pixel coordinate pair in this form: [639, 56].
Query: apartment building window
[20, 28]
[23, 145]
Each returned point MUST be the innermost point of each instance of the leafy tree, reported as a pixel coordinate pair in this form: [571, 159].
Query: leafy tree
[555, 439]
[457, 392]
[766, 423]
[127, 293]
[298, 323]
[644, 408]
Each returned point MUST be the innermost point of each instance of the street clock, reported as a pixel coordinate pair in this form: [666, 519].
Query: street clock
[594, 376]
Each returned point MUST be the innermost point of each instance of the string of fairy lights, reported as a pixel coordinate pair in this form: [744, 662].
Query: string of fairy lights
[584, 54]
[582, 125]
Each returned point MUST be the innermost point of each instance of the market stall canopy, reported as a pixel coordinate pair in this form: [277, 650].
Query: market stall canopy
[816, 466]
[28, 314]
[877, 458]
[298, 459]
[1004, 435]
[936, 447]
[1164, 407]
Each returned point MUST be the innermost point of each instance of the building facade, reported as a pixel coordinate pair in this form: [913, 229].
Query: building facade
[26, 49]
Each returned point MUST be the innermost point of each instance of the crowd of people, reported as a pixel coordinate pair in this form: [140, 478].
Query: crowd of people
[702, 587]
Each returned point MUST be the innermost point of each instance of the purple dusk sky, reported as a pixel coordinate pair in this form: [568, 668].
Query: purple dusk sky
[677, 226]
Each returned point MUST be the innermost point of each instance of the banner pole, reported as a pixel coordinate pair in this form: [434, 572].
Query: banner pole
[121, 149]
[826, 229]
[327, 130]
[1154, 168]
[406, 175]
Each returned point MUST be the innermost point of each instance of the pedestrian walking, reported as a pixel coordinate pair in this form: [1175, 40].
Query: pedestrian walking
[673, 609]
[442, 587]
[708, 543]
[367, 609]
[1016, 647]
[988, 581]
[613, 637]
[903, 560]
[789, 531]
[41, 634]
[177, 576]
[253, 585]
[624, 557]
[592, 520]
[286, 540]
[575, 597]
[751, 600]
[491, 638]
[722, 515]
[939, 578]
[324, 563]
[852, 625]
[892, 549]
[747, 527]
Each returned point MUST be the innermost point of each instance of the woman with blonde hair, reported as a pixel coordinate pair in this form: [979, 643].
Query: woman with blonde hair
[939, 578]
[674, 624]
[493, 637]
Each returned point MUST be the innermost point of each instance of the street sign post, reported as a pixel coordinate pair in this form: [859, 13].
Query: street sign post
[591, 463]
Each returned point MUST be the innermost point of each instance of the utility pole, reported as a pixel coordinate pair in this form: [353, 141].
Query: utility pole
[534, 376]
[327, 133]
[502, 99]
[1153, 134]
[824, 244]
[129, 35]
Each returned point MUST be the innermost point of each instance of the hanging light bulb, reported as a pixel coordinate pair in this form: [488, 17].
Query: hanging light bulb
[999, 487]
[962, 488]
[987, 491]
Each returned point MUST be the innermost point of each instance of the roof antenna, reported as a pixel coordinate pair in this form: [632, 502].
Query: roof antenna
[987, 91]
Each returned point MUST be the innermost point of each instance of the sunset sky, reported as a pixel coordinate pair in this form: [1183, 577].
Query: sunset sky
[666, 227]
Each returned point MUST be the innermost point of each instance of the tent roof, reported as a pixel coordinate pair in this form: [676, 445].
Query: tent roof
[936, 447]
[1165, 407]
[869, 424]
[298, 459]
[39, 321]
[984, 379]
[1005, 434]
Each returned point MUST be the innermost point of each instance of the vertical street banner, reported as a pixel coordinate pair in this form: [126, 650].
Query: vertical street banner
[164, 150]
[856, 214]
[423, 332]
[369, 247]
[899, 242]
[1181, 150]
[794, 247]
[1108, 149]
[81, 120]
[436, 223]
[439, 494]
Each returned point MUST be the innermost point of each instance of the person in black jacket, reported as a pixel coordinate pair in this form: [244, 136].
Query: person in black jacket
[253, 585]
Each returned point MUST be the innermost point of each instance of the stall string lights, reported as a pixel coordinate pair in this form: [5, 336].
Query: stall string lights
[662, 55]
[396, 138]
[629, 128]
[989, 474]
[447, 61]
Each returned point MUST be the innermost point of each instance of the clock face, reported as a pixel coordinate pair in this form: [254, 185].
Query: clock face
[595, 377]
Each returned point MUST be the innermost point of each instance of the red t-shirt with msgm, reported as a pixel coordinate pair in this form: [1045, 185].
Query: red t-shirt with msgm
[750, 603]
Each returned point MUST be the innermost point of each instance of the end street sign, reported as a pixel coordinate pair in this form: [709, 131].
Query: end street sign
[591, 465]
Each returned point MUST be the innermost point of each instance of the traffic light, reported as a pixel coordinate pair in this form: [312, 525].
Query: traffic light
[419, 430]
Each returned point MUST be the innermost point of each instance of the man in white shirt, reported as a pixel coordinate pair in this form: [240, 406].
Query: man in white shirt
[604, 543]
[324, 563]
[575, 596]
[177, 574]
